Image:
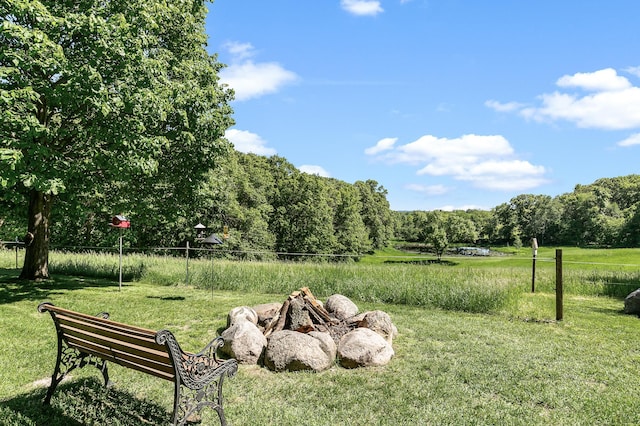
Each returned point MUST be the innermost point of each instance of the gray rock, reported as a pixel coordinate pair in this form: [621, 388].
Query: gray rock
[632, 302]
[244, 341]
[341, 306]
[289, 350]
[298, 315]
[380, 322]
[241, 313]
[363, 347]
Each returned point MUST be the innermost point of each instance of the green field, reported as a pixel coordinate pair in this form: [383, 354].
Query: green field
[475, 346]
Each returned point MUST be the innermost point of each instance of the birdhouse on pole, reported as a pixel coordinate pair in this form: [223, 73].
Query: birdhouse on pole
[201, 231]
[120, 221]
[212, 239]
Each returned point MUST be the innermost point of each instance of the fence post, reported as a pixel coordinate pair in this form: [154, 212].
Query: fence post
[559, 308]
[534, 247]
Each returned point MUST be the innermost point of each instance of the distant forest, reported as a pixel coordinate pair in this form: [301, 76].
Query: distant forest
[604, 213]
[265, 205]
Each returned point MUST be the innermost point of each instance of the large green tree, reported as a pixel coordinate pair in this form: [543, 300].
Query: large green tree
[376, 213]
[104, 97]
[352, 236]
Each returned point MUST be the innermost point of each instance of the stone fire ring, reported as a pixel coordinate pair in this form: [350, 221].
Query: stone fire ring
[302, 333]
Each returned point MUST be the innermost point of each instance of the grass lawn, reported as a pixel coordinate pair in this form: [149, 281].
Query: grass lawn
[450, 368]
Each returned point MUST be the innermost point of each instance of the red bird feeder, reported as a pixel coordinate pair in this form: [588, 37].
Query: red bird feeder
[120, 221]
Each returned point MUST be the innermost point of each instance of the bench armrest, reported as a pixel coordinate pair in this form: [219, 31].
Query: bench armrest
[195, 371]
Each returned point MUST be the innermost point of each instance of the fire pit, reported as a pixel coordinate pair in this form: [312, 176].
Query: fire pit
[303, 333]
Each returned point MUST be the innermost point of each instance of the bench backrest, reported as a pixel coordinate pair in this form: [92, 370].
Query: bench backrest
[123, 344]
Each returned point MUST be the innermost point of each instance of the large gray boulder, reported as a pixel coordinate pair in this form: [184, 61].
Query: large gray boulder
[380, 322]
[244, 341]
[363, 347]
[341, 306]
[289, 350]
[242, 313]
[632, 303]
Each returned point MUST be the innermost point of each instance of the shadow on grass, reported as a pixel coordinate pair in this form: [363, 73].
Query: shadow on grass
[13, 289]
[167, 297]
[82, 402]
[424, 262]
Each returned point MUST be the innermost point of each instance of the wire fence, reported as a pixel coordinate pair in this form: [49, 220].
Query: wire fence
[222, 252]
[265, 253]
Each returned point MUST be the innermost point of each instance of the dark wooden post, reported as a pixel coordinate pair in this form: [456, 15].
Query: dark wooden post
[17, 243]
[534, 247]
[559, 309]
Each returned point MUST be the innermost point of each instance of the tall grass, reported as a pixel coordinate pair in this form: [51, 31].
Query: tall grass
[96, 265]
[478, 285]
[434, 285]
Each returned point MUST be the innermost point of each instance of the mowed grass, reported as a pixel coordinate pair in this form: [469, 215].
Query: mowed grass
[507, 364]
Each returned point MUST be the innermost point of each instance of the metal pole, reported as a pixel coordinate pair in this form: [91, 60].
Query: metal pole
[16, 252]
[211, 281]
[533, 275]
[559, 307]
[120, 263]
[187, 254]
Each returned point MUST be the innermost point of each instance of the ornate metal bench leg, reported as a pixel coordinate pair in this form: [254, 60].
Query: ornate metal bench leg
[65, 355]
[69, 359]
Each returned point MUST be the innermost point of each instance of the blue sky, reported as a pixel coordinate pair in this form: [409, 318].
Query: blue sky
[448, 104]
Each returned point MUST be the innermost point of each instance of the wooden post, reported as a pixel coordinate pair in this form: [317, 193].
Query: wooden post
[559, 308]
[534, 246]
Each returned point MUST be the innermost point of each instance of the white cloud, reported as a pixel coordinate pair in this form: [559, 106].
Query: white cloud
[613, 110]
[428, 189]
[239, 50]
[382, 145]
[605, 80]
[487, 162]
[362, 7]
[631, 140]
[250, 79]
[633, 71]
[452, 153]
[505, 175]
[504, 107]
[450, 208]
[314, 170]
[611, 102]
[245, 141]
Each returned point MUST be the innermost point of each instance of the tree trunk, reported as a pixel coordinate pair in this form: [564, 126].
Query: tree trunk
[36, 259]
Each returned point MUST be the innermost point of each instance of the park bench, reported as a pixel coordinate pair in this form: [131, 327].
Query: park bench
[94, 340]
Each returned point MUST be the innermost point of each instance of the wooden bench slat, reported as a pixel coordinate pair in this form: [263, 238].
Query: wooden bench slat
[161, 370]
[98, 320]
[86, 345]
[116, 334]
[156, 355]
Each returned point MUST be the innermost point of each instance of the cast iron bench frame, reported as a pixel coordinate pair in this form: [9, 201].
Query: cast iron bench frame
[94, 340]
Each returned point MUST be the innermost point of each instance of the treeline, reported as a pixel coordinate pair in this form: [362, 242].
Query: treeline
[266, 205]
[604, 213]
